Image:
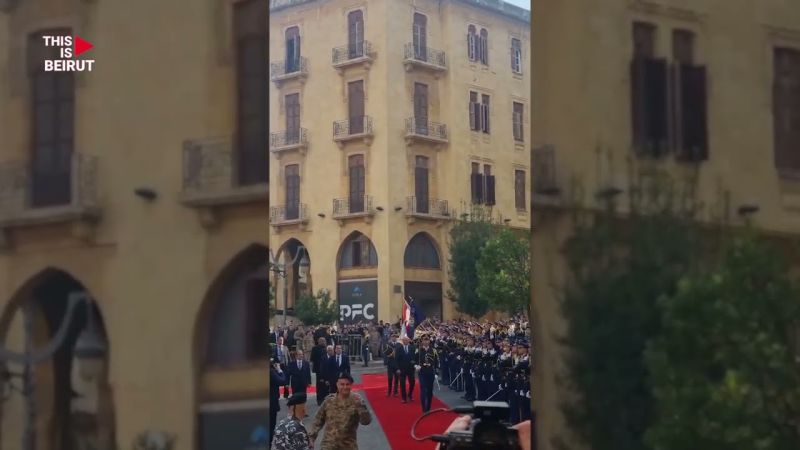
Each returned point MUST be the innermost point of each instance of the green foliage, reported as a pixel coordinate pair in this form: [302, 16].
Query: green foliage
[467, 239]
[272, 306]
[503, 270]
[316, 309]
[619, 270]
[723, 369]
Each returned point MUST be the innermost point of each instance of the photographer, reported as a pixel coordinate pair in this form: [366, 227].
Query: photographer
[463, 423]
[277, 379]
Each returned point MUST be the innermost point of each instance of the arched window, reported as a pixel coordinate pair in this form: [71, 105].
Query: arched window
[292, 49]
[421, 253]
[358, 251]
[472, 43]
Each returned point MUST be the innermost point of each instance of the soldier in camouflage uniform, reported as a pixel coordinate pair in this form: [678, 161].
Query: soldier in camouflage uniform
[340, 413]
[291, 434]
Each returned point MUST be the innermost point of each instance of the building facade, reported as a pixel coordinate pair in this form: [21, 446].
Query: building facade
[706, 91]
[142, 185]
[390, 119]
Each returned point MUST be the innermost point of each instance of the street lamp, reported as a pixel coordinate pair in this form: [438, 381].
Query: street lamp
[280, 270]
[90, 350]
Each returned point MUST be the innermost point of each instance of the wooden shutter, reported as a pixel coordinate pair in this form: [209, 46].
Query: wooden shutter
[472, 43]
[519, 189]
[257, 317]
[355, 97]
[292, 192]
[484, 46]
[421, 184]
[517, 122]
[421, 108]
[292, 118]
[475, 181]
[786, 110]
[490, 199]
[694, 127]
[355, 34]
[474, 112]
[357, 179]
[486, 113]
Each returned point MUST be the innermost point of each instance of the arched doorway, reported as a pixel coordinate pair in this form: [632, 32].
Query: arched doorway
[231, 351]
[69, 405]
[357, 286]
[296, 282]
[423, 280]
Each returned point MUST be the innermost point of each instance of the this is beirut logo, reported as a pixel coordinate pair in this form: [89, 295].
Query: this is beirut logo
[69, 47]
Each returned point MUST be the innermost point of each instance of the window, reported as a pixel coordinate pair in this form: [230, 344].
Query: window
[786, 110]
[355, 97]
[516, 55]
[420, 37]
[482, 185]
[478, 112]
[472, 43]
[355, 34]
[53, 125]
[484, 47]
[358, 251]
[519, 190]
[292, 174]
[421, 108]
[648, 93]
[421, 185]
[292, 50]
[516, 115]
[687, 101]
[421, 253]
[357, 183]
[250, 23]
[292, 102]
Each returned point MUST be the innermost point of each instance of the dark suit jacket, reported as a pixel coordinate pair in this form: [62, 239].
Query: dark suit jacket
[344, 367]
[405, 361]
[328, 369]
[276, 380]
[299, 378]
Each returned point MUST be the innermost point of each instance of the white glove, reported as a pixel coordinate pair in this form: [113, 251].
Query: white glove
[416, 366]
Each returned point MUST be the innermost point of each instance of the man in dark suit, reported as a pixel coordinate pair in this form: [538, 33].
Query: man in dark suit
[328, 373]
[338, 364]
[405, 361]
[276, 380]
[299, 373]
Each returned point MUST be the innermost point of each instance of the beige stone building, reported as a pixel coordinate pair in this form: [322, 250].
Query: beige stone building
[708, 90]
[388, 120]
[141, 185]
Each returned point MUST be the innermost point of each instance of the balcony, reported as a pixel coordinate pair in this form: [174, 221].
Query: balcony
[287, 215]
[40, 195]
[425, 58]
[546, 186]
[281, 142]
[215, 175]
[353, 208]
[353, 129]
[422, 130]
[289, 69]
[427, 209]
[358, 54]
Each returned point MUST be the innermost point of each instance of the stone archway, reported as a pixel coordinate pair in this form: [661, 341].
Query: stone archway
[297, 282]
[72, 402]
[423, 274]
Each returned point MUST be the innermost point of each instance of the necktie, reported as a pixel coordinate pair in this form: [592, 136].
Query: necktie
[406, 347]
[338, 360]
[299, 365]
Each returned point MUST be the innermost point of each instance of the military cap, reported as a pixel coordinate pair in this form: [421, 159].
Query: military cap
[345, 375]
[296, 399]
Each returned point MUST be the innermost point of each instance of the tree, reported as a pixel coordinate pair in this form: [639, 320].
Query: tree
[316, 309]
[467, 239]
[503, 270]
[723, 370]
[272, 305]
[619, 268]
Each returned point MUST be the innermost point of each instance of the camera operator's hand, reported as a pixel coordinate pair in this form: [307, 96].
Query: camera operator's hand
[417, 366]
[524, 430]
[460, 424]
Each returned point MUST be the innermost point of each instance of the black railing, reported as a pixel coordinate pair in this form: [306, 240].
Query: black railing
[421, 127]
[351, 51]
[298, 136]
[287, 213]
[428, 206]
[353, 126]
[426, 55]
[545, 181]
[288, 67]
[356, 204]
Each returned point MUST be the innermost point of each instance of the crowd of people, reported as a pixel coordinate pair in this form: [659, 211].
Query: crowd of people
[484, 360]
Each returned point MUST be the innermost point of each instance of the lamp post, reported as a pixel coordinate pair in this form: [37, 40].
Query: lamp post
[280, 270]
[90, 350]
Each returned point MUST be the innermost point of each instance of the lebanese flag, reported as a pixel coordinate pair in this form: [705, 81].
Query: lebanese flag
[406, 317]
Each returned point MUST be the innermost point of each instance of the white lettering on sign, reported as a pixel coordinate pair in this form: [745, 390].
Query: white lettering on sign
[357, 309]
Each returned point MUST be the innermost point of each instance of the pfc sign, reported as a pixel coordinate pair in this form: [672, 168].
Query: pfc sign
[358, 301]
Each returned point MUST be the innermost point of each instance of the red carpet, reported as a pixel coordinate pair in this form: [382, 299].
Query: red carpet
[397, 418]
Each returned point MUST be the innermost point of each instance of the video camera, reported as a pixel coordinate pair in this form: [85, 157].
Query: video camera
[489, 429]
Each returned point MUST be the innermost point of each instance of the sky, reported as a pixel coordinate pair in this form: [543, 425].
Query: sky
[523, 3]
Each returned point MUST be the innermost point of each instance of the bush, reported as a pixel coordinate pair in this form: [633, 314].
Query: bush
[316, 309]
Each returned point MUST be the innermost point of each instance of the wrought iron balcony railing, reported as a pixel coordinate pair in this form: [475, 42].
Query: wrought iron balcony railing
[214, 172]
[351, 52]
[545, 178]
[428, 207]
[354, 205]
[434, 59]
[36, 191]
[289, 68]
[287, 214]
[355, 126]
[288, 139]
[421, 127]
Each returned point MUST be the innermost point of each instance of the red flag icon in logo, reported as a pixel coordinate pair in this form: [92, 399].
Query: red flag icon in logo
[80, 46]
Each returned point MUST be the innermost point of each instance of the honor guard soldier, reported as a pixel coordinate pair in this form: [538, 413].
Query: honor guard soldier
[291, 434]
[426, 360]
[392, 369]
